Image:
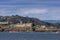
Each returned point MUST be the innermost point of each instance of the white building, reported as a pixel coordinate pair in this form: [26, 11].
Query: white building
[23, 25]
[43, 26]
[4, 22]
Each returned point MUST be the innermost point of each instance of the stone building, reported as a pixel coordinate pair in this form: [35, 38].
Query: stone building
[23, 27]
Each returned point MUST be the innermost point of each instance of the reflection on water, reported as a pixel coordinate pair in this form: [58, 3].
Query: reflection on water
[30, 36]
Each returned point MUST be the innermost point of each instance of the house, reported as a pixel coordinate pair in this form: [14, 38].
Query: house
[4, 22]
[23, 27]
[43, 26]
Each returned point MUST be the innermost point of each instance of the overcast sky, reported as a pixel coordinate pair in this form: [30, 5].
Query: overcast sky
[42, 9]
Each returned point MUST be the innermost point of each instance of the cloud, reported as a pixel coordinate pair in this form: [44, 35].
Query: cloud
[34, 11]
[7, 11]
[53, 14]
[50, 17]
[22, 11]
[41, 13]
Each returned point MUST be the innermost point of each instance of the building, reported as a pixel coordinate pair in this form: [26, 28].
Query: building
[23, 27]
[4, 23]
[43, 26]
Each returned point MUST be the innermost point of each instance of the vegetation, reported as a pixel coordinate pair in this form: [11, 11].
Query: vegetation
[15, 19]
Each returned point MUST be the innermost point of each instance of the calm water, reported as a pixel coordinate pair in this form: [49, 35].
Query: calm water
[29, 36]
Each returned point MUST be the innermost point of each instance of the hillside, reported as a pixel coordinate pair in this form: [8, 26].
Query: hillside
[17, 19]
[14, 20]
[56, 23]
[52, 21]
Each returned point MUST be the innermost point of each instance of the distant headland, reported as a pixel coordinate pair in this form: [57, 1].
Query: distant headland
[16, 23]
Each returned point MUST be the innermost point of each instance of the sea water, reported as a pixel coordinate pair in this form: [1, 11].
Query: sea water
[29, 36]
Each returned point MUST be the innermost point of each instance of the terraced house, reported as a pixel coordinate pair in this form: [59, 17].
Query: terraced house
[27, 27]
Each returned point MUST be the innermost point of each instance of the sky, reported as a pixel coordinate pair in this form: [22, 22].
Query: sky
[41, 9]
